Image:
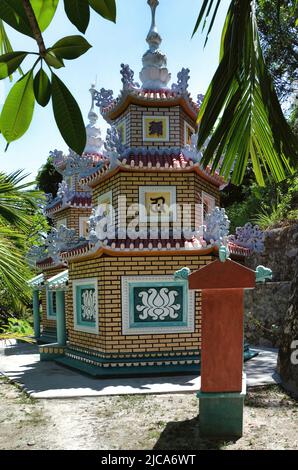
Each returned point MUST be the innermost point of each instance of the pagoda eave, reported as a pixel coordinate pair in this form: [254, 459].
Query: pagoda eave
[102, 175]
[150, 99]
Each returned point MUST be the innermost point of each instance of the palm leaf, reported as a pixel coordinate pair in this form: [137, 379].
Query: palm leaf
[17, 201]
[240, 110]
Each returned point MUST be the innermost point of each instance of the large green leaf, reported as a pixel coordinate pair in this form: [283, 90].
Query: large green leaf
[10, 62]
[18, 109]
[70, 47]
[13, 13]
[78, 12]
[44, 11]
[68, 116]
[42, 88]
[106, 8]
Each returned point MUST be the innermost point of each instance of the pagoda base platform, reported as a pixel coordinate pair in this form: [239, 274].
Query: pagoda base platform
[135, 364]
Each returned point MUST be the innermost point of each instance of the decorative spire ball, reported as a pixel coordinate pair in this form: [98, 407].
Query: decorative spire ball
[154, 74]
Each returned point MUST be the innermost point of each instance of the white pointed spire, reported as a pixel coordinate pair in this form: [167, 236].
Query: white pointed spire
[153, 38]
[94, 141]
[154, 74]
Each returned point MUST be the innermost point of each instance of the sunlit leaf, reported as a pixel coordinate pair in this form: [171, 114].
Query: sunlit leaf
[18, 109]
[44, 11]
[10, 62]
[68, 116]
[240, 110]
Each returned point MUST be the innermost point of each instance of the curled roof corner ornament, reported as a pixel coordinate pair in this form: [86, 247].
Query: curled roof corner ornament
[128, 78]
[58, 159]
[35, 254]
[114, 148]
[181, 86]
[191, 152]
[263, 274]
[182, 273]
[63, 191]
[103, 98]
[249, 236]
[200, 99]
[223, 253]
[217, 225]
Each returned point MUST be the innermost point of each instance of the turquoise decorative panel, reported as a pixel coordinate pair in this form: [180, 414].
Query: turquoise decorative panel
[156, 304]
[86, 305]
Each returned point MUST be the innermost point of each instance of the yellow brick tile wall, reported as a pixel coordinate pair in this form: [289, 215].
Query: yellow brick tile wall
[133, 119]
[189, 187]
[109, 271]
[72, 216]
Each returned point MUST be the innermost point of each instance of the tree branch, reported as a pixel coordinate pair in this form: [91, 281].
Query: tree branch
[34, 26]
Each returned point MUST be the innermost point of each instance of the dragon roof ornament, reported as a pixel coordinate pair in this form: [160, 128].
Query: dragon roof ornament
[182, 81]
[56, 241]
[216, 227]
[103, 98]
[249, 236]
[113, 147]
[128, 77]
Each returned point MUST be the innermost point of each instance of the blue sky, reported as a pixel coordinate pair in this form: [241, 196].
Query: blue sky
[113, 44]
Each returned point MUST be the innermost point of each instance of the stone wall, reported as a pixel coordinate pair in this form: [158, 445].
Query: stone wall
[266, 306]
[281, 249]
[287, 365]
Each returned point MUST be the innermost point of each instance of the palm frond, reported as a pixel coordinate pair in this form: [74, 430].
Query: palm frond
[17, 200]
[14, 270]
[241, 111]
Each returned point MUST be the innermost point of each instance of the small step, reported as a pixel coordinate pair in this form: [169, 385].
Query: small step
[46, 339]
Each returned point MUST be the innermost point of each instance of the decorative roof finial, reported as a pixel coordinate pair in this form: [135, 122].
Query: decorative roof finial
[153, 38]
[92, 116]
[154, 75]
[94, 141]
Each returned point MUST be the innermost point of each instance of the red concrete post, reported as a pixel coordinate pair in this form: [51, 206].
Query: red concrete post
[222, 285]
[222, 340]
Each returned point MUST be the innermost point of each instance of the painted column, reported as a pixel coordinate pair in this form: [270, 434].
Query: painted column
[36, 316]
[60, 312]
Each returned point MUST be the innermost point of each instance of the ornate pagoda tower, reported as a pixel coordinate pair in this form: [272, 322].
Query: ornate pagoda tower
[154, 211]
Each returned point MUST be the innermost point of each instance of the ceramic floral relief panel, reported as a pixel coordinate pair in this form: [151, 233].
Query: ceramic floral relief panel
[156, 304]
[86, 305]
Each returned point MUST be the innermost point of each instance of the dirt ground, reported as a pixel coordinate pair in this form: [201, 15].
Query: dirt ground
[164, 422]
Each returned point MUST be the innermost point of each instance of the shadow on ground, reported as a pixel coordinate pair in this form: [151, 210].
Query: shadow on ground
[185, 435]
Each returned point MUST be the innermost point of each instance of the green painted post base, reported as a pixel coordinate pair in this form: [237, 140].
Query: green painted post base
[221, 414]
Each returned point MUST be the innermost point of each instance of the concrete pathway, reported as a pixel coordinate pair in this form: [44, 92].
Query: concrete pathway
[20, 363]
